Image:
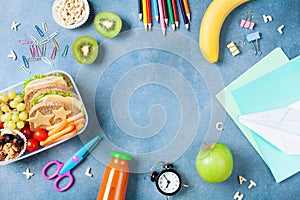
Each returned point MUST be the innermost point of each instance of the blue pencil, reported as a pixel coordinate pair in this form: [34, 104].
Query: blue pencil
[155, 7]
[185, 19]
[140, 9]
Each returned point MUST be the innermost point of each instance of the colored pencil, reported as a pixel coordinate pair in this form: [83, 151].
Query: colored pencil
[187, 9]
[155, 8]
[175, 13]
[140, 9]
[149, 14]
[185, 19]
[161, 17]
[164, 5]
[145, 14]
[171, 16]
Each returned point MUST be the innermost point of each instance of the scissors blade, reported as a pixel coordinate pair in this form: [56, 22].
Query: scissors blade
[80, 155]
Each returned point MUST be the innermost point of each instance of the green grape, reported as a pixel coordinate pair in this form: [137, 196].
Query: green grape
[7, 117]
[3, 98]
[23, 115]
[15, 117]
[2, 118]
[13, 104]
[11, 94]
[21, 107]
[18, 98]
[11, 125]
[4, 108]
[20, 124]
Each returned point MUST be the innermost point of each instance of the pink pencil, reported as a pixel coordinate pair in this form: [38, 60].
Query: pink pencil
[161, 17]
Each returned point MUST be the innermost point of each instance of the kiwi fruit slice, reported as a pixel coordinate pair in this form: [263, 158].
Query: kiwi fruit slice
[85, 49]
[108, 24]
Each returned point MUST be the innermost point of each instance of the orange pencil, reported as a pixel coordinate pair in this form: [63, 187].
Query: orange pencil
[187, 9]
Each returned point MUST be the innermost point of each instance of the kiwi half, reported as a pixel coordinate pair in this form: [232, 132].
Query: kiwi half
[85, 49]
[108, 24]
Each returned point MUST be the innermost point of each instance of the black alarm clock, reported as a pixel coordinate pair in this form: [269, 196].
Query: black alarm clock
[168, 182]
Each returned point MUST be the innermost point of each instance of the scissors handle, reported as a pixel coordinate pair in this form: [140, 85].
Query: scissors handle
[58, 175]
[48, 165]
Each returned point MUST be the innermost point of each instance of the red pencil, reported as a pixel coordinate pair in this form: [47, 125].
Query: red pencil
[175, 13]
[149, 14]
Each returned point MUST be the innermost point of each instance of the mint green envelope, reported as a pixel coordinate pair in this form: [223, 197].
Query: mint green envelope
[268, 63]
[276, 89]
[273, 60]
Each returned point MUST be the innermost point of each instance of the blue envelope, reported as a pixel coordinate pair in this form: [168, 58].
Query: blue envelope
[276, 89]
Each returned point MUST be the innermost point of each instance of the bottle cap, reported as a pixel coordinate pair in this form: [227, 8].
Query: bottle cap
[120, 155]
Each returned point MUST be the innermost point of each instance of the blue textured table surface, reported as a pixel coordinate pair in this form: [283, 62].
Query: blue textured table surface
[152, 97]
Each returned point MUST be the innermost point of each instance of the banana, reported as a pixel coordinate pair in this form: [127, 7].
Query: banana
[211, 25]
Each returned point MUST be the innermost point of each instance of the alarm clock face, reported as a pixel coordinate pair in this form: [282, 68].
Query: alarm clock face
[168, 182]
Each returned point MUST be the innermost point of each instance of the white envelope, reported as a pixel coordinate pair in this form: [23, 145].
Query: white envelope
[280, 127]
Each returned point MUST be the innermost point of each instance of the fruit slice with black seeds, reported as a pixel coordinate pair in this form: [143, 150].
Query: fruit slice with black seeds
[108, 24]
[85, 49]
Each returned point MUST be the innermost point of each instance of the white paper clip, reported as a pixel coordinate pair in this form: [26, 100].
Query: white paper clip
[44, 26]
[47, 61]
[33, 38]
[25, 69]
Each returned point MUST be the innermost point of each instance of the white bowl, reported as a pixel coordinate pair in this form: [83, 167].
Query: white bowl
[58, 14]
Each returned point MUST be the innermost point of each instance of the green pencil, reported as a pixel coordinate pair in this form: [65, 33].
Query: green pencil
[171, 15]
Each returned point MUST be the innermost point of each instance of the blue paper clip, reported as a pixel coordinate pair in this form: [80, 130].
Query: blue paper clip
[26, 63]
[39, 30]
[65, 52]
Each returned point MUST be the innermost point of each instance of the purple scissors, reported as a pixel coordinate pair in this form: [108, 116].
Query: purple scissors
[64, 170]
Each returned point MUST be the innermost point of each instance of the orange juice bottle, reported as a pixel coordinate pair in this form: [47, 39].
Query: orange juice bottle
[115, 179]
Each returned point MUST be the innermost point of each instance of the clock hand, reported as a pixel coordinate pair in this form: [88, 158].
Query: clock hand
[168, 182]
[166, 178]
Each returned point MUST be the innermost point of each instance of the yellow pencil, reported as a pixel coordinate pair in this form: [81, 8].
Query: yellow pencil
[187, 9]
[144, 4]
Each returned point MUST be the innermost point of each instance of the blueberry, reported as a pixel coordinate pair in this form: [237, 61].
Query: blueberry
[8, 138]
[20, 142]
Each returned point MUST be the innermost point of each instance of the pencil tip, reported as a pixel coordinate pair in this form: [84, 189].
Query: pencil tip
[187, 26]
[164, 31]
[166, 21]
[140, 16]
[173, 27]
[189, 17]
[157, 18]
[177, 24]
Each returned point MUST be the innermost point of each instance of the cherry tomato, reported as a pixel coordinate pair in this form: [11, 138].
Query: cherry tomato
[1, 125]
[32, 144]
[26, 131]
[40, 134]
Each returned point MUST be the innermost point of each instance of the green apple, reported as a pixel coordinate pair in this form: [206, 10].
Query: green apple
[214, 163]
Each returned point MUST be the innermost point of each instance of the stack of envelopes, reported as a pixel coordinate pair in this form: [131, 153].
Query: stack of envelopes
[264, 102]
